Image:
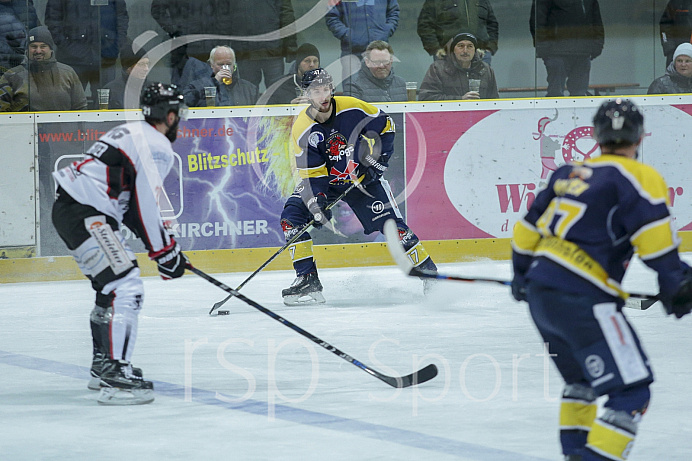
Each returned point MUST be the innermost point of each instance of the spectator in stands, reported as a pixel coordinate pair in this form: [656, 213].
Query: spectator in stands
[375, 81]
[41, 83]
[16, 17]
[135, 68]
[678, 76]
[567, 36]
[450, 78]
[441, 20]
[186, 69]
[89, 37]
[258, 58]
[675, 26]
[231, 90]
[185, 17]
[356, 24]
[287, 89]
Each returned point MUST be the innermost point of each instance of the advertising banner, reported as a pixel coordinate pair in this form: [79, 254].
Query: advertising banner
[227, 188]
[473, 174]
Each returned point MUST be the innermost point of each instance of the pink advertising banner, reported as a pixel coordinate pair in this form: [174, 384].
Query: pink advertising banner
[473, 174]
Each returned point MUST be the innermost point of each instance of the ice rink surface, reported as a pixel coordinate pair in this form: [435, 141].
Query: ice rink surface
[246, 387]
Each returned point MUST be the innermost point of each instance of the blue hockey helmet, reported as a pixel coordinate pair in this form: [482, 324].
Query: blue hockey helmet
[618, 122]
[316, 77]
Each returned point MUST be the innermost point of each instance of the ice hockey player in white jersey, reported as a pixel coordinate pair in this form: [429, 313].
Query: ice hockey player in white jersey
[120, 181]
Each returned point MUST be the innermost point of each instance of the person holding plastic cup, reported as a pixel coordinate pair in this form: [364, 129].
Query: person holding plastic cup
[231, 90]
[461, 74]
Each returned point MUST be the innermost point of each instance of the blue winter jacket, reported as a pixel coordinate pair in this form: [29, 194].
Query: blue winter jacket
[358, 23]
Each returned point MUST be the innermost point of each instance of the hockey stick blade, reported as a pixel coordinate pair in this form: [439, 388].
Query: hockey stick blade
[424, 374]
[213, 312]
[635, 301]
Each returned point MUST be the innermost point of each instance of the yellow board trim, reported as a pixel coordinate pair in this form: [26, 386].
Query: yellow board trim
[55, 268]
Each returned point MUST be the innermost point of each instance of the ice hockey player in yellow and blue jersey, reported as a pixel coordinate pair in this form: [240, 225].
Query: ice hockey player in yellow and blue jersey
[339, 140]
[570, 254]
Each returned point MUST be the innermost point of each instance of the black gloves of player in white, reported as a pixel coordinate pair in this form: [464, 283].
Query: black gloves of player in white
[519, 287]
[317, 205]
[681, 303]
[170, 262]
[370, 169]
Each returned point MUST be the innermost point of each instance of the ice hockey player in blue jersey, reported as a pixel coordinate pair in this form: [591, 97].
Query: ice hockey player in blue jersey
[339, 140]
[570, 253]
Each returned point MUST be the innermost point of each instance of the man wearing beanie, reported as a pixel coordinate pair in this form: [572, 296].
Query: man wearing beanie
[375, 81]
[678, 76]
[41, 83]
[450, 78]
[135, 68]
[286, 90]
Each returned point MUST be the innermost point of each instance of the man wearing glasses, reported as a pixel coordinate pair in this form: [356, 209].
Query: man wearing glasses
[375, 81]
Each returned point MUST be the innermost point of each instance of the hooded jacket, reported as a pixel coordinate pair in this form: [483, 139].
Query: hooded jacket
[447, 80]
[671, 83]
[369, 88]
[41, 86]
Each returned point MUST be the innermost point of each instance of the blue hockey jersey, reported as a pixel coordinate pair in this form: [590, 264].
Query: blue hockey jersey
[583, 228]
[328, 154]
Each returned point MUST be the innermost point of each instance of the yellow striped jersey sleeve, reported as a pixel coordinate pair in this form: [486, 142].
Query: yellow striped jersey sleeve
[525, 238]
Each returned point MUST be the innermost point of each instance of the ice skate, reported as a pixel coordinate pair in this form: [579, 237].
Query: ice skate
[97, 363]
[306, 289]
[120, 386]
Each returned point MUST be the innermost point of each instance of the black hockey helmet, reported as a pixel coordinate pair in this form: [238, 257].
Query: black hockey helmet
[158, 99]
[618, 122]
[316, 77]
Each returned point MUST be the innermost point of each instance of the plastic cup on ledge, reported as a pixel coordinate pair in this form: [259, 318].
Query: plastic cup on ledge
[103, 95]
[412, 91]
[210, 95]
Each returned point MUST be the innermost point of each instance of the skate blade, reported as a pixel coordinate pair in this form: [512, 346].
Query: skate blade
[94, 384]
[309, 298]
[114, 396]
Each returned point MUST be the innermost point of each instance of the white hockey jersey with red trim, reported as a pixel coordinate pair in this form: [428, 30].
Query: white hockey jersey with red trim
[122, 177]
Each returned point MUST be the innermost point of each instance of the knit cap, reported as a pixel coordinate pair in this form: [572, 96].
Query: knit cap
[464, 36]
[40, 34]
[305, 50]
[683, 49]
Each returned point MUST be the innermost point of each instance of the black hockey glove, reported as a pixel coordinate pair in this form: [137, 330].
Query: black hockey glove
[317, 205]
[681, 304]
[370, 169]
[171, 262]
[519, 287]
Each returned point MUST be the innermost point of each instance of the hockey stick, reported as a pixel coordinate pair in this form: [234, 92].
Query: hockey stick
[424, 374]
[214, 310]
[636, 300]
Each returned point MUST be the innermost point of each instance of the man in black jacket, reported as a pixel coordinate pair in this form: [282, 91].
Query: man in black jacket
[568, 35]
[258, 58]
[440, 20]
[89, 37]
[676, 26]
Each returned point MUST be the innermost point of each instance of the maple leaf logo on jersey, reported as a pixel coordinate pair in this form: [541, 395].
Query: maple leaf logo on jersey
[337, 147]
[349, 175]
